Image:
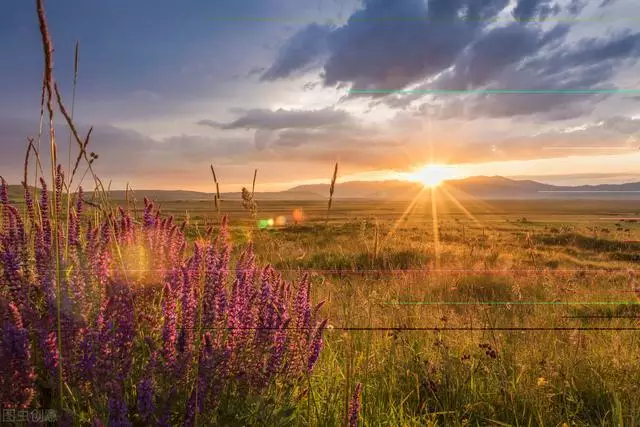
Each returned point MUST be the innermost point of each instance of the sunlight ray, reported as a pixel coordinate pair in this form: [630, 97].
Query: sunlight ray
[461, 207]
[490, 209]
[436, 228]
[406, 212]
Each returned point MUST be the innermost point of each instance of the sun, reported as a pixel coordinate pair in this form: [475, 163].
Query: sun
[432, 175]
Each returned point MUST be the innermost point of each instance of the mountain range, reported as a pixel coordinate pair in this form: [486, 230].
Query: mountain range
[480, 187]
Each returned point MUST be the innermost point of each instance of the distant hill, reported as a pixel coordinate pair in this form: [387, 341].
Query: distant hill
[481, 187]
[16, 192]
[363, 189]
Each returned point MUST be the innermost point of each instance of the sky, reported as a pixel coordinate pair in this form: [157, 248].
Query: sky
[290, 87]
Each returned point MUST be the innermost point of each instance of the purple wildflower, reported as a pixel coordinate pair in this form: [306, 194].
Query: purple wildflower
[49, 346]
[148, 213]
[316, 346]
[118, 412]
[274, 365]
[117, 334]
[252, 344]
[169, 328]
[17, 375]
[28, 201]
[191, 279]
[354, 406]
[4, 191]
[146, 394]
[12, 253]
[59, 185]
[44, 213]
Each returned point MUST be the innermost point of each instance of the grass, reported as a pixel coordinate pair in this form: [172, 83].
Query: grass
[549, 377]
[445, 377]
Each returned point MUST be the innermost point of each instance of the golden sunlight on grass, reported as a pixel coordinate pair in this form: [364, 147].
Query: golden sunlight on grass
[432, 175]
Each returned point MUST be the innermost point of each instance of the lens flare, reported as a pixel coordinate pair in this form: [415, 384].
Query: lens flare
[298, 215]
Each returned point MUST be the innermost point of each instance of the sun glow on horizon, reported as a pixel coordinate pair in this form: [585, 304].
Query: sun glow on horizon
[432, 175]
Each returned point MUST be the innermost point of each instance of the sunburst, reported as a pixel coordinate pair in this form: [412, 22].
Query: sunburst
[432, 175]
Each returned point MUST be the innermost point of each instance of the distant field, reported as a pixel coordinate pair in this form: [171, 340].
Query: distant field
[538, 212]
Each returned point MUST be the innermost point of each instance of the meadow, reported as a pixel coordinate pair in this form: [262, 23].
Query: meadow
[518, 313]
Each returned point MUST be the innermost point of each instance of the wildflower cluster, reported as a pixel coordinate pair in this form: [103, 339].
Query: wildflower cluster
[135, 323]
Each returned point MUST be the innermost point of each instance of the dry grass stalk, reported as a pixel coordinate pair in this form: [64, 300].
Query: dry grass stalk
[253, 186]
[217, 196]
[48, 84]
[331, 190]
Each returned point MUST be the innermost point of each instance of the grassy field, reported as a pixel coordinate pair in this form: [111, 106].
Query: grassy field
[511, 313]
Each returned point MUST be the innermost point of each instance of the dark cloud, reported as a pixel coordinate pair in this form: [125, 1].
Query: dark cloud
[562, 72]
[589, 66]
[284, 119]
[302, 50]
[450, 44]
[526, 10]
[254, 71]
[496, 50]
[385, 45]
[576, 6]
[388, 54]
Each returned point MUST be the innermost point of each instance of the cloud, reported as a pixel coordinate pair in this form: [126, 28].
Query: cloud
[499, 48]
[302, 50]
[284, 119]
[609, 136]
[123, 154]
[373, 53]
[389, 45]
[560, 71]
[379, 148]
[590, 65]
[443, 44]
[318, 135]
[385, 45]
[529, 9]
[398, 144]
